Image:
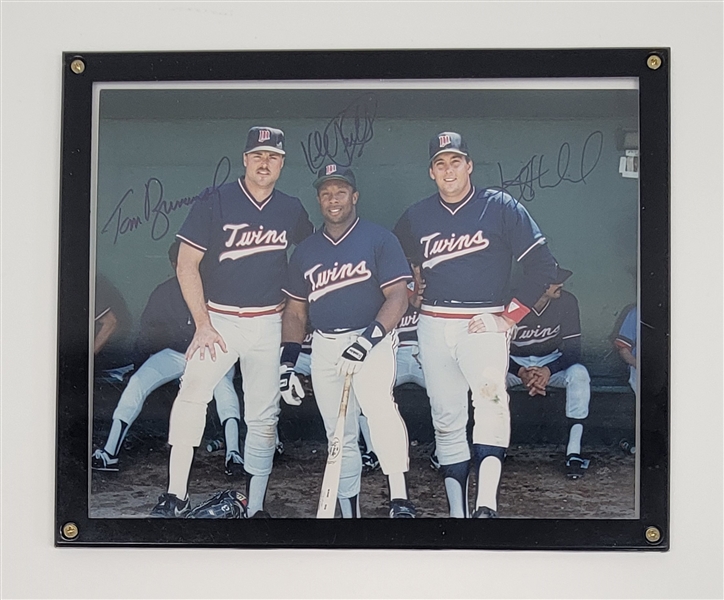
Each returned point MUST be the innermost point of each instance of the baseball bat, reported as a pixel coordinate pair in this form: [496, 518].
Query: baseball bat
[330, 482]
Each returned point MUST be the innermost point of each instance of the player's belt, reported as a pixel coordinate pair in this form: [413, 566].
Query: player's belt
[246, 311]
[455, 312]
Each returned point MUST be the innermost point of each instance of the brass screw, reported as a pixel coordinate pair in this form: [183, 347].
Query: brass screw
[653, 61]
[70, 531]
[653, 535]
[77, 66]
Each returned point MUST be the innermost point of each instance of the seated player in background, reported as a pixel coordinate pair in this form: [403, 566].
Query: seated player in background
[112, 324]
[166, 330]
[546, 351]
[625, 343]
[409, 368]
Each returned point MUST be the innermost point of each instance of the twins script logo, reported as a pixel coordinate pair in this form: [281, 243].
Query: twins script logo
[409, 322]
[336, 278]
[525, 336]
[246, 242]
[442, 249]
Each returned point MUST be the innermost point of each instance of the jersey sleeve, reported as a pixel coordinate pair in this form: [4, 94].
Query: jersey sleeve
[304, 227]
[196, 229]
[403, 232]
[392, 266]
[528, 247]
[296, 287]
[626, 337]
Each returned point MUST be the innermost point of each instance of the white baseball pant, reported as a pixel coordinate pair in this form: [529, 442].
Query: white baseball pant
[371, 393]
[255, 342]
[455, 361]
[409, 368]
[161, 368]
[577, 383]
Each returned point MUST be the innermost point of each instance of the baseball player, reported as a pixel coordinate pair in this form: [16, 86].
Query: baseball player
[465, 240]
[166, 330]
[625, 343]
[546, 351]
[242, 230]
[349, 279]
[409, 367]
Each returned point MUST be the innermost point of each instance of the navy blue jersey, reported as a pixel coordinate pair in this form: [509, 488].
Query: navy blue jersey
[466, 249]
[245, 244]
[166, 321]
[343, 280]
[407, 327]
[555, 332]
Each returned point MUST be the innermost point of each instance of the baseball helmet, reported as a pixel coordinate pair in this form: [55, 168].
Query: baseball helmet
[228, 504]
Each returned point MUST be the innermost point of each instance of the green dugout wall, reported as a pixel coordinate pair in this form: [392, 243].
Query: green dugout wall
[557, 151]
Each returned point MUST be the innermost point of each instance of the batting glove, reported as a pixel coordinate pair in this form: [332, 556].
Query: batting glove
[489, 323]
[353, 357]
[290, 386]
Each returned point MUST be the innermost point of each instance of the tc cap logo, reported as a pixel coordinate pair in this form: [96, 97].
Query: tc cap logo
[330, 169]
[444, 140]
[264, 135]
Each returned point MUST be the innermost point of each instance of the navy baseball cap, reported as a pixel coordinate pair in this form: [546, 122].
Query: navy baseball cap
[561, 275]
[265, 138]
[333, 171]
[448, 141]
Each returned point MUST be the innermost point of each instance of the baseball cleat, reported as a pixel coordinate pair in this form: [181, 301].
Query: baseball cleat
[370, 463]
[228, 504]
[575, 466]
[483, 512]
[261, 514]
[102, 461]
[234, 466]
[170, 507]
[401, 508]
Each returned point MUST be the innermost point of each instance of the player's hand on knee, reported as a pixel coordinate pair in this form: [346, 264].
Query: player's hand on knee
[290, 386]
[354, 355]
[489, 323]
[205, 338]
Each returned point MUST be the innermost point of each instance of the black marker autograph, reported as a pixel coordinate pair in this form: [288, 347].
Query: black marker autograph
[156, 209]
[344, 137]
[533, 171]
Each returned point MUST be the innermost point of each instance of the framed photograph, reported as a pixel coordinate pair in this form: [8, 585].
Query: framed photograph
[303, 295]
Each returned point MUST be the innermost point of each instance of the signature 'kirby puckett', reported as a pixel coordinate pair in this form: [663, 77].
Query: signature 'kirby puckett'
[350, 278]
[242, 230]
[465, 240]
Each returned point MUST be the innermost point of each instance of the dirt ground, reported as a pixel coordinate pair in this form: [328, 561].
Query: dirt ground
[533, 484]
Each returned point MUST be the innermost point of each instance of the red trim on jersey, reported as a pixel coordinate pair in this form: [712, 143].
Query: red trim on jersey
[516, 310]
[619, 343]
[460, 205]
[389, 283]
[346, 233]
[246, 313]
[190, 243]
[259, 205]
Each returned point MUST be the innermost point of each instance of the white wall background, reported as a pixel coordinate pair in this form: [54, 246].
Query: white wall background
[33, 37]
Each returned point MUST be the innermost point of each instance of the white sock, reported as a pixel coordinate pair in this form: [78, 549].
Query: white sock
[365, 429]
[349, 507]
[256, 492]
[574, 439]
[488, 481]
[398, 487]
[179, 469]
[231, 435]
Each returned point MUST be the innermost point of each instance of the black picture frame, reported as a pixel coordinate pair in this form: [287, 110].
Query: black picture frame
[650, 531]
